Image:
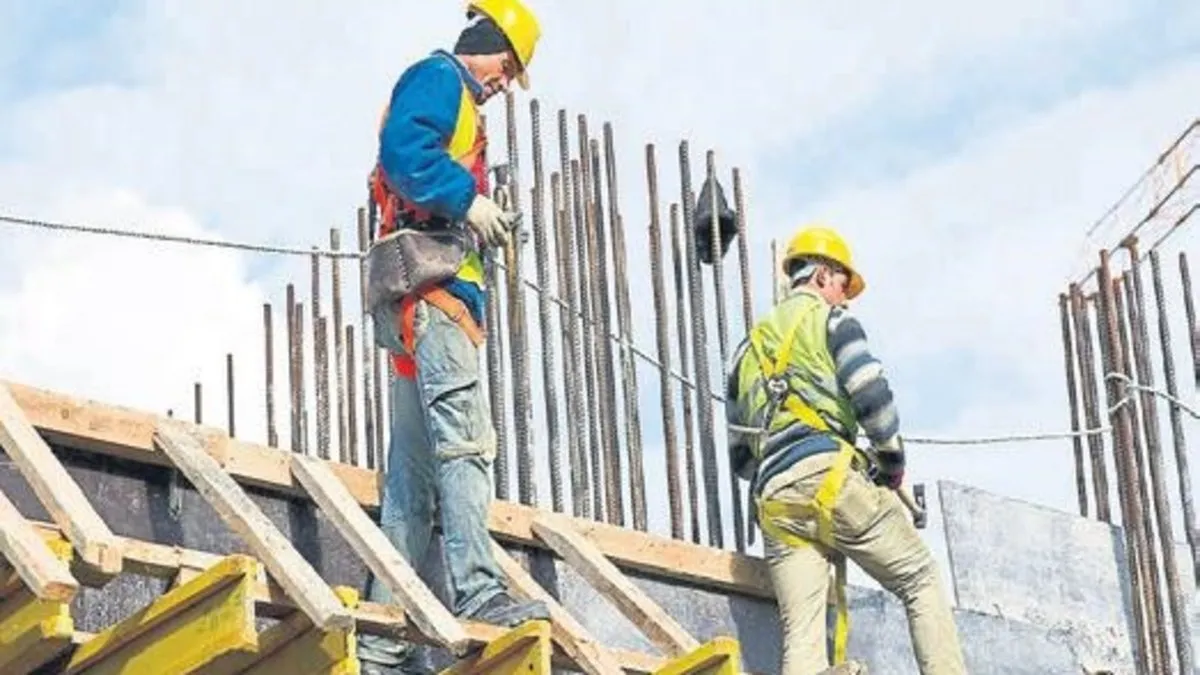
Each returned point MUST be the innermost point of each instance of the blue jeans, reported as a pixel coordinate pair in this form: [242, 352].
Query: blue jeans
[442, 445]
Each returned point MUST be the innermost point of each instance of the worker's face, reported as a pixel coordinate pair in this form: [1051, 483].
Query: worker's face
[495, 72]
[832, 283]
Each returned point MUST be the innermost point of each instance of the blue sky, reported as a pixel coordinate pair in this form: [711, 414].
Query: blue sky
[940, 147]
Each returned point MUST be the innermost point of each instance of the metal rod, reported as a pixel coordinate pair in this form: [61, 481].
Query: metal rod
[339, 348]
[519, 353]
[739, 201]
[616, 509]
[1091, 401]
[351, 399]
[229, 395]
[1177, 433]
[1141, 489]
[681, 323]
[633, 424]
[584, 242]
[269, 375]
[293, 376]
[368, 458]
[321, 361]
[197, 403]
[1189, 309]
[1122, 440]
[379, 361]
[663, 337]
[735, 491]
[300, 380]
[708, 449]
[541, 258]
[1073, 402]
[495, 365]
[1176, 601]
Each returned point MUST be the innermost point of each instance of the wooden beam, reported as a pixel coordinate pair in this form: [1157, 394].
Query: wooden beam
[590, 562]
[117, 431]
[365, 537]
[244, 517]
[45, 574]
[574, 639]
[56, 490]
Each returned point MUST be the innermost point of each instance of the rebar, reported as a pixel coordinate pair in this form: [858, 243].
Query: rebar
[681, 324]
[1141, 489]
[629, 388]
[269, 375]
[229, 396]
[1189, 310]
[1073, 402]
[708, 449]
[339, 348]
[1177, 433]
[351, 398]
[495, 366]
[368, 459]
[1176, 602]
[321, 362]
[662, 335]
[293, 376]
[1091, 401]
[302, 394]
[584, 242]
[739, 201]
[735, 491]
[519, 352]
[541, 257]
[379, 457]
[1122, 440]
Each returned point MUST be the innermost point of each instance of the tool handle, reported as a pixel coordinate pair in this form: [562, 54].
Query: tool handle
[910, 502]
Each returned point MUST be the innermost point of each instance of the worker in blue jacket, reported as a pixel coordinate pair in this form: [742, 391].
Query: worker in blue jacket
[431, 179]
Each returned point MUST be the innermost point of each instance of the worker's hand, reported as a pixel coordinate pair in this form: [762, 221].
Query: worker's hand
[889, 474]
[489, 221]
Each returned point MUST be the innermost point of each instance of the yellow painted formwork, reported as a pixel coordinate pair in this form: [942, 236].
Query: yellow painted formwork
[33, 632]
[524, 649]
[719, 656]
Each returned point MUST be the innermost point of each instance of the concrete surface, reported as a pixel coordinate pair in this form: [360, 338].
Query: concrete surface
[1037, 591]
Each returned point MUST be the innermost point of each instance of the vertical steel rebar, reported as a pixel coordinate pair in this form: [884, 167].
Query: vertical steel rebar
[663, 337]
[1073, 402]
[633, 423]
[1121, 441]
[379, 363]
[368, 458]
[321, 356]
[229, 396]
[1091, 401]
[1177, 433]
[1189, 310]
[497, 399]
[584, 242]
[739, 201]
[300, 379]
[269, 375]
[319, 391]
[735, 491]
[519, 352]
[351, 399]
[686, 389]
[293, 376]
[1126, 310]
[541, 256]
[1176, 601]
[704, 404]
[339, 347]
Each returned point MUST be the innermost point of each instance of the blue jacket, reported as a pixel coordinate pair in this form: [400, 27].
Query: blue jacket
[420, 121]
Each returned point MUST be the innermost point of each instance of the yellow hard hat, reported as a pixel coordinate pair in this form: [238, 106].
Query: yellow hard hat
[824, 242]
[518, 24]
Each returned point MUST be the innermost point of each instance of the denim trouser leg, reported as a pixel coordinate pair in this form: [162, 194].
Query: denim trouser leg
[442, 441]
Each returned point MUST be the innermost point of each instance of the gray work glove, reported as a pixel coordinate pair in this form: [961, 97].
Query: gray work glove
[489, 221]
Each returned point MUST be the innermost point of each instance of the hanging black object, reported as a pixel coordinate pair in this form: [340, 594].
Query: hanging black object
[726, 219]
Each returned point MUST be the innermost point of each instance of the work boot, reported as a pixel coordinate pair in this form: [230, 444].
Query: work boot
[502, 610]
[846, 668]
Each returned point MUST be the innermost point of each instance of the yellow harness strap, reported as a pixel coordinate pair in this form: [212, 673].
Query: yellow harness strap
[821, 506]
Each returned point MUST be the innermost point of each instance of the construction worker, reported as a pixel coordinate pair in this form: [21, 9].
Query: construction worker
[799, 387]
[430, 185]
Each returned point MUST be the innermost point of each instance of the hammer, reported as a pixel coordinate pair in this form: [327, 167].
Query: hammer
[913, 500]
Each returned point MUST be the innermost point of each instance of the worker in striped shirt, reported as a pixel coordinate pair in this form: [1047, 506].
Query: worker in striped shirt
[799, 388]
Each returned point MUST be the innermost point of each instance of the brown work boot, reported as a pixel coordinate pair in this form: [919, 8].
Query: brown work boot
[847, 668]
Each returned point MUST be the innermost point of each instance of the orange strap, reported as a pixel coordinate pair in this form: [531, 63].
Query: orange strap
[454, 308]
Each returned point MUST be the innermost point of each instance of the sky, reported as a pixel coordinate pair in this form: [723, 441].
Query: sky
[964, 150]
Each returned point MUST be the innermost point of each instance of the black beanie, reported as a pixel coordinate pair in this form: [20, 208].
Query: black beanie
[481, 36]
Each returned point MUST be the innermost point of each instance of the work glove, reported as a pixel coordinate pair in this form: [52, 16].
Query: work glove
[489, 221]
[889, 473]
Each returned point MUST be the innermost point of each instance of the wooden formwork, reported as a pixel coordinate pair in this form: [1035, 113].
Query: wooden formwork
[207, 621]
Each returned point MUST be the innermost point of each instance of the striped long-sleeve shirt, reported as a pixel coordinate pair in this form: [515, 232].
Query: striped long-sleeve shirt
[861, 377]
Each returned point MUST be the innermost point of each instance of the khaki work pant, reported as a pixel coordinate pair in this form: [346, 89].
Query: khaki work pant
[871, 527]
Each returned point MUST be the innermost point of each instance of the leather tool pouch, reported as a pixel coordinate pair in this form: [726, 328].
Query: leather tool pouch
[408, 259]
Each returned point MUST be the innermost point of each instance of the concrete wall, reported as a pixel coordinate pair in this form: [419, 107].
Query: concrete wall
[1037, 591]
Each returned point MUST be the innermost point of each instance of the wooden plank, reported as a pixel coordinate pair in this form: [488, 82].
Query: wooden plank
[524, 649]
[117, 431]
[182, 631]
[44, 573]
[590, 562]
[592, 657]
[365, 537]
[56, 490]
[244, 517]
